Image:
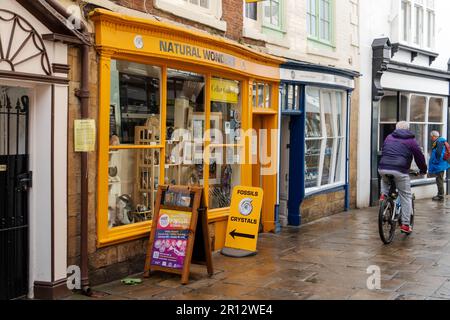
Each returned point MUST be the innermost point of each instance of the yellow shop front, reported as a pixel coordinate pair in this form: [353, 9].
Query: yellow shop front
[179, 107]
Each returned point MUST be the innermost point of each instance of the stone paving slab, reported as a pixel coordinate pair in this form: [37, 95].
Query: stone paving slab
[326, 259]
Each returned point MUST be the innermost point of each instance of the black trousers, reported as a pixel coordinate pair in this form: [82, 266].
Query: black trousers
[440, 183]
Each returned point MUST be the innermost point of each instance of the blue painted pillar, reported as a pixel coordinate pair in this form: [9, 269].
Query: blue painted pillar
[297, 163]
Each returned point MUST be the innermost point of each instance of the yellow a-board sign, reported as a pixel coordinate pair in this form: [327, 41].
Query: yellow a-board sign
[243, 222]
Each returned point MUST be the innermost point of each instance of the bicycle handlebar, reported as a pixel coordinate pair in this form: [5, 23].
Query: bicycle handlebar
[416, 173]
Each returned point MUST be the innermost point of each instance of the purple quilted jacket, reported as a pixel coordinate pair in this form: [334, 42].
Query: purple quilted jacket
[398, 152]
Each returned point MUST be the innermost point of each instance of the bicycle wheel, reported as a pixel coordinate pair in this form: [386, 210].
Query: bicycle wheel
[413, 213]
[386, 225]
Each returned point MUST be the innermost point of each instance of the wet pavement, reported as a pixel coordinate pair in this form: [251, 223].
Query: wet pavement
[327, 259]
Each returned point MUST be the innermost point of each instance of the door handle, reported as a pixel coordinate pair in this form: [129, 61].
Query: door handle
[24, 182]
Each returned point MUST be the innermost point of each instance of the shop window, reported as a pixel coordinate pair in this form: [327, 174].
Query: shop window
[261, 95]
[388, 116]
[290, 97]
[185, 128]
[424, 114]
[225, 136]
[319, 15]
[427, 114]
[325, 138]
[436, 110]
[135, 98]
[133, 173]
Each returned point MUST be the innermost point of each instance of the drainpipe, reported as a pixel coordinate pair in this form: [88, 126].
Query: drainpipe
[83, 94]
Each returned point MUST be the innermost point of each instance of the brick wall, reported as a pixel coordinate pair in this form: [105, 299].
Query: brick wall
[234, 16]
[232, 13]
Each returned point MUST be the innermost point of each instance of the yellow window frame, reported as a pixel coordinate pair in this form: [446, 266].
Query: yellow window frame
[109, 236]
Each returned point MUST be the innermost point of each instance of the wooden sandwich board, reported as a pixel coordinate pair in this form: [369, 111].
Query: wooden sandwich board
[179, 234]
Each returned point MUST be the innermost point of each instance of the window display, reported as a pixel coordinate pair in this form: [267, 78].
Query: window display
[133, 173]
[325, 138]
[135, 97]
[136, 165]
[312, 162]
[185, 125]
[225, 130]
[132, 184]
[313, 118]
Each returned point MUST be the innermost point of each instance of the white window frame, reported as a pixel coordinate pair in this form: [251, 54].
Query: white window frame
[426, 136]
[427, 7]
[336, 138]
[211, 17]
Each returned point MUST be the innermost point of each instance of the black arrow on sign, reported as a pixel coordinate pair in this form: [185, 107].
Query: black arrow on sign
[235, 234]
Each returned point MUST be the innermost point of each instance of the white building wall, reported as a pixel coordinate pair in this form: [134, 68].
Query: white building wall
[381, 19]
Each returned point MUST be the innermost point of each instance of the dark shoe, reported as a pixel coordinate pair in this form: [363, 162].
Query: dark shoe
[438, 198]
[406, 229]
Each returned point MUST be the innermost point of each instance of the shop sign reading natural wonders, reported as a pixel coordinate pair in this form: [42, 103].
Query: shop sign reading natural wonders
[196, 52]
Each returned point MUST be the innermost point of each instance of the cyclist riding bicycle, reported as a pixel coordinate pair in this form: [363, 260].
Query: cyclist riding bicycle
[399, 149]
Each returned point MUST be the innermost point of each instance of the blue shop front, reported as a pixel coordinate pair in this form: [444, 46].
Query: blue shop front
[315, 106]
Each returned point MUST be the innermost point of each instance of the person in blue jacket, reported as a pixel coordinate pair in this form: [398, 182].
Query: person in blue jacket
[438, 166]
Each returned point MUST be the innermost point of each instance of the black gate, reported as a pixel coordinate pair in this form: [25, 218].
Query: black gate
[15, 180]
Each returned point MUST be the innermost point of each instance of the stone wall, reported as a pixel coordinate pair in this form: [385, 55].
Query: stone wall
[323, 205]
[109, 263]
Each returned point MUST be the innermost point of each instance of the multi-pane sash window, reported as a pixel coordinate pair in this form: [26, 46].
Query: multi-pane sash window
[319, 20]
[418, 23]
[272, 13]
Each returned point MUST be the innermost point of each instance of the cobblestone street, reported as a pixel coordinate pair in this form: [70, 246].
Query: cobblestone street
[327, 259]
